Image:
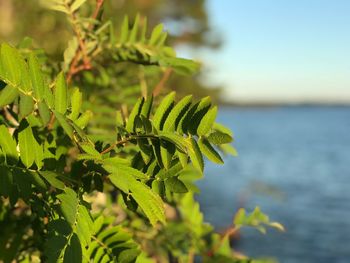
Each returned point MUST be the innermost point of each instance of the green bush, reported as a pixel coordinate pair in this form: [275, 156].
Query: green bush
[83, 182]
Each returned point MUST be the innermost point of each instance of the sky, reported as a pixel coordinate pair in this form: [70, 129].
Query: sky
[281, 50]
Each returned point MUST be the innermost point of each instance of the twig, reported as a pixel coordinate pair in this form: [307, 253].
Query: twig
[110, 148]
[74, 67]
[162, 82]
[99, 4]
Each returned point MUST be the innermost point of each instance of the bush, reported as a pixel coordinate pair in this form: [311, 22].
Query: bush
[84, 182]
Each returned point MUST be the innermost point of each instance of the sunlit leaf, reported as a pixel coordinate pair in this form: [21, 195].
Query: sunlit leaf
[26, 142]
[61, 103]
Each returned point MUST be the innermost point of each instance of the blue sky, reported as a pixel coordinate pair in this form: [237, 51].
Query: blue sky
[281, 50]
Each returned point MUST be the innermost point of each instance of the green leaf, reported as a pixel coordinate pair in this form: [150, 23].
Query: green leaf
[146, 107]
[76, 102]
[26, 142]
[8, 95]
[76, 4]
[177, 113]
[49, 98]
[90, 149]
[228, 149]
[115, 161]
[36, 77]
[156, 34]
[13, 67]
[37, 181]
[195, 155]
[23, 181]
[158, 187]
[183, 158]
[167, 151]
[76, 215]
[163, 110]
[119, 168]
[124, 30]
[130, 126]
[256, 219]
[73, 252]
[207, 122]
[134, 30]
[218, 137]
[39, 155]
[70, 52]
[64, 124]
[26, 105]
[175, 185]
[51, 178]
[222, 128]
[173, 171]
[84, 119]
[44, 113]
[190, 122]
[61, 102]
[56, 5]
[143, 30]
[199, 112]
[181, 66]
[149, 202]
[209, 151]
[162, 39]
[5, 181]
[8, 144]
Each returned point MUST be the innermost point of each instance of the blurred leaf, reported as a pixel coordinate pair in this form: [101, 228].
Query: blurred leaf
[37, 77]
[130, 126]
[26, 142]
[84, 119]
[134, 30]
[76, 4]
[76, 102]
[256, 219]
[51, 178]
[195, 155]
[8, 144]
[57, 5]
[61, 103]
[8, 95]
[26, 105]
[175, 185]
[218, 138]
[207, 121]
[156, 33]
[228, 149]
[208, 150]
[163, 110]
[124, 30]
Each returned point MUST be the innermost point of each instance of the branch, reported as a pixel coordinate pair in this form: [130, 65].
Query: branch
[81, 53]
[126, 140]
[162, 82]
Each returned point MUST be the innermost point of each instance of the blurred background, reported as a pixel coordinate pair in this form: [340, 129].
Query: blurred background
[281, 70]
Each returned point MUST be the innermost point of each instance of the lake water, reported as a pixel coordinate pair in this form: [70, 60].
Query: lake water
[294, 162]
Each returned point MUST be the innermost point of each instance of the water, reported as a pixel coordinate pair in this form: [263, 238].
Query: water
[294, 162]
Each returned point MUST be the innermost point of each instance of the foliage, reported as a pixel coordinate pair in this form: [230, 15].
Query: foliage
[55, 167]
[187, 23]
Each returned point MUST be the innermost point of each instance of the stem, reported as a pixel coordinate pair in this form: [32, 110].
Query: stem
[110, 148]
[162, 82]
[74, 67]
[99, 4]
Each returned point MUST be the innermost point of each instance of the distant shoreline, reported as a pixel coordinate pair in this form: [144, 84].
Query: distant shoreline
[281, 104]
